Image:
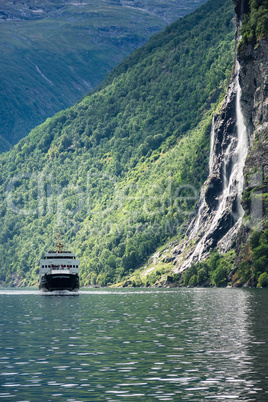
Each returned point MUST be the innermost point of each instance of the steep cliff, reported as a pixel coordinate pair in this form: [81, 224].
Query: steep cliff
[234, 199]
[254, 73]
[252, 255]
[219, 213]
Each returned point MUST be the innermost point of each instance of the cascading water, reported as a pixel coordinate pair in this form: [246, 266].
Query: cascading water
[215, 223]
[196, 223]
[196, 226]
[235, 156]
[212, 141]
[242, 146]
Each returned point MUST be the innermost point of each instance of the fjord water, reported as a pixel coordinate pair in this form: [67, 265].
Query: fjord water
[134, 344]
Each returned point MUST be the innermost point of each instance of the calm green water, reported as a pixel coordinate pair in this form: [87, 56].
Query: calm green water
[148, 345]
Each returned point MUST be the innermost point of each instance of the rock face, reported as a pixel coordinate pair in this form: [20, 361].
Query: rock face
[241, 8]
[254, 101]
[219, 208]
[240, 131]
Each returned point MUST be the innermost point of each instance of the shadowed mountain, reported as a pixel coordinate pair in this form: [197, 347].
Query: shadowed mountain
[53, 52]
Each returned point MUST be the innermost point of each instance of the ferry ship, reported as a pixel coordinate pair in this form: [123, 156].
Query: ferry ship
[59, 270]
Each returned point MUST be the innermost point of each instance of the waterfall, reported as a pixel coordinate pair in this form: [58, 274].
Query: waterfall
[212, 141]
[213, 224]
[242, 146]
[235, 156]
[196, 226]
[233, 163]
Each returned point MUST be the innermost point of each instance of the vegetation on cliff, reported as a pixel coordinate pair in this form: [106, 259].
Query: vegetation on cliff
[214, 272]
[254, 267]
[119, 173]
[255, 23]
[252, 249]
[250, 267]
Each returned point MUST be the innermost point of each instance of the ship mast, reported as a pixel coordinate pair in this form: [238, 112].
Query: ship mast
[59, 245]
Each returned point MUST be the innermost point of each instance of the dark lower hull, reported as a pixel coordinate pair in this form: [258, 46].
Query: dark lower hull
[51, 282]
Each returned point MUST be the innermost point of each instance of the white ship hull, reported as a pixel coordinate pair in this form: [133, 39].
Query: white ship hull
[59, 270]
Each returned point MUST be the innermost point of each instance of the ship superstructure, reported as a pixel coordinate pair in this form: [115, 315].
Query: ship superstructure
[59, 270]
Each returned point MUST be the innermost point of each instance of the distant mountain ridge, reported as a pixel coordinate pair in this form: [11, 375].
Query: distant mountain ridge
[168, 10]
[53, 52]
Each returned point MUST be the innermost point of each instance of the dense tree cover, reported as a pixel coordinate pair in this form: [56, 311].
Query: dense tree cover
[255, 23]
[212, 272]
[119, 173]
[254, 267]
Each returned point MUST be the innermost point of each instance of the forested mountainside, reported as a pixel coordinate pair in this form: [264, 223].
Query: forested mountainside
[119, 173]
[227, 240]
[252, 245]
[53, 52]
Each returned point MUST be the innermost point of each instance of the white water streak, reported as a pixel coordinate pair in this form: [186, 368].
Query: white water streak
[234, 159]
[233, 185]
[212, 141]
[242, 146]
[43, 75]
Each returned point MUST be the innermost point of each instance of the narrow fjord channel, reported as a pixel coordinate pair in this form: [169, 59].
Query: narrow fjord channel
[134, 344]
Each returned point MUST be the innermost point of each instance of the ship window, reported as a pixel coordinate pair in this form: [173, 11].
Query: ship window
[58, 257]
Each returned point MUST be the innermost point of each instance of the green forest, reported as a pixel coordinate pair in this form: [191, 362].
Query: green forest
[119, 173]
[255, 23]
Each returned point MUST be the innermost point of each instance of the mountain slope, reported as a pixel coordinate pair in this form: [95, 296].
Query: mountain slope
[226, 241]
[119, 173]
[52, 53]
[167, 11]
[252, 245]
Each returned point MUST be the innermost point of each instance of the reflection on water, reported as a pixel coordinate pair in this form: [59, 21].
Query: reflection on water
[111, 345]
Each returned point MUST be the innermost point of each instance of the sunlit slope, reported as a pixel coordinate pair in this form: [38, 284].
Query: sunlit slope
[119, 173]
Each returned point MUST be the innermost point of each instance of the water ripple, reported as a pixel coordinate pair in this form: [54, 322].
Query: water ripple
[182, 344]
